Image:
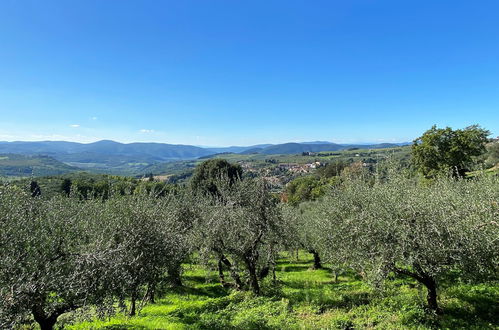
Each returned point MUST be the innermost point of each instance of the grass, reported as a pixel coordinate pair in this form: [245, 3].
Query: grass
[490, 171]
[307, 299]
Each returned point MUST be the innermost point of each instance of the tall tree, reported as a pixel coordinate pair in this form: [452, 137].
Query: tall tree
[444, 150]
[66, 186]
[35, 189]
[210, 172]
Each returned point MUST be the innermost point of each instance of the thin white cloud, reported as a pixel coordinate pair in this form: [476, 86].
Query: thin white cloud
[146, 131]
[6, 136]
[93, 118]
[74, 125]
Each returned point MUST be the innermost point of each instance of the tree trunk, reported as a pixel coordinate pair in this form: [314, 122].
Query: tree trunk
[264, 272]
[133, 301]
[431, 297]
[428, 281]
[174, 276]
[221, 275]
[45, 322]
[151, 292]
[317, 260]
[255, 287]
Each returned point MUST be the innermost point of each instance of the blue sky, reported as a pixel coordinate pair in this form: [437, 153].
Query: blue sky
[246, 72]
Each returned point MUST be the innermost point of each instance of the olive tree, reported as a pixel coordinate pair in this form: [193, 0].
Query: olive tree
[243, 228]
[420, 231]
[135, 229]
[305, 234]
[179, 213]
[52, 260]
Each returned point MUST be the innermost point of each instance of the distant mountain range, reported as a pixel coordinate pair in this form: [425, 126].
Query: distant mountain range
[296, 148]
[59, 149]
[126, 158]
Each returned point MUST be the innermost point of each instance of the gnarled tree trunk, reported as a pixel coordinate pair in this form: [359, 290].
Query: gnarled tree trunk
[174, 276]
[221, 275]
[431, 297]
[47, 321]
[317, 260]
[253, 278]
[428, 281]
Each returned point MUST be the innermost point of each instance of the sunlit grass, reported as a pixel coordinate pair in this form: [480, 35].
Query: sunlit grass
[308, 299]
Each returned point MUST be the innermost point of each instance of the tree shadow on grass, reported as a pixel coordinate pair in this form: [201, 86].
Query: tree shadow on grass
[280, 263]
[484, 310]
[292, 268]
[195, 278]
[329, 300]
[123, 326]
[212, 291]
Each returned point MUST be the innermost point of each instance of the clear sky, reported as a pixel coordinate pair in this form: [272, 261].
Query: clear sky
[230, 72]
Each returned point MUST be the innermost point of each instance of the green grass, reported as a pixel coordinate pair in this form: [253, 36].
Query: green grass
[307, 299]
[490, 171]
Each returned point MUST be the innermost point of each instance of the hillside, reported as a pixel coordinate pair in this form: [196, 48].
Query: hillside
[110, 157]
[104, 156]
[12, 165]
[281, 168]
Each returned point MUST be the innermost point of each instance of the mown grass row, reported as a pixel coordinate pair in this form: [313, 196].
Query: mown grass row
[306, 299]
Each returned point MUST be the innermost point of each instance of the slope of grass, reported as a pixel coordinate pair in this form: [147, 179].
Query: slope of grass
[307, 299]
[490, 171]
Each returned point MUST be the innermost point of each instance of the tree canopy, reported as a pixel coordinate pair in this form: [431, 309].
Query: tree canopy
[440, 150]
[208, 173]
[411, 229]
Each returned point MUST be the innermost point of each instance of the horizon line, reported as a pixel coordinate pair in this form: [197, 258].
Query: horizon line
[208, 147]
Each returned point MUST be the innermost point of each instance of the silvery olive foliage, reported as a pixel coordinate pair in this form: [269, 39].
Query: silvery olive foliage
[151, 237]
[243, 228]
[64, 253]
[413, 229]
[305, 235]
[180, 213]
[51, 260]
[133, 224]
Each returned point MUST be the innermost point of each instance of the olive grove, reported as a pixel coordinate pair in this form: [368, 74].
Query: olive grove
[401, 226]
[68, 253]
[243, 228]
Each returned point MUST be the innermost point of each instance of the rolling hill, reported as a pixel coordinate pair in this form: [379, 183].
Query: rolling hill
[112, 157]
[13, 165]
[106, 156]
